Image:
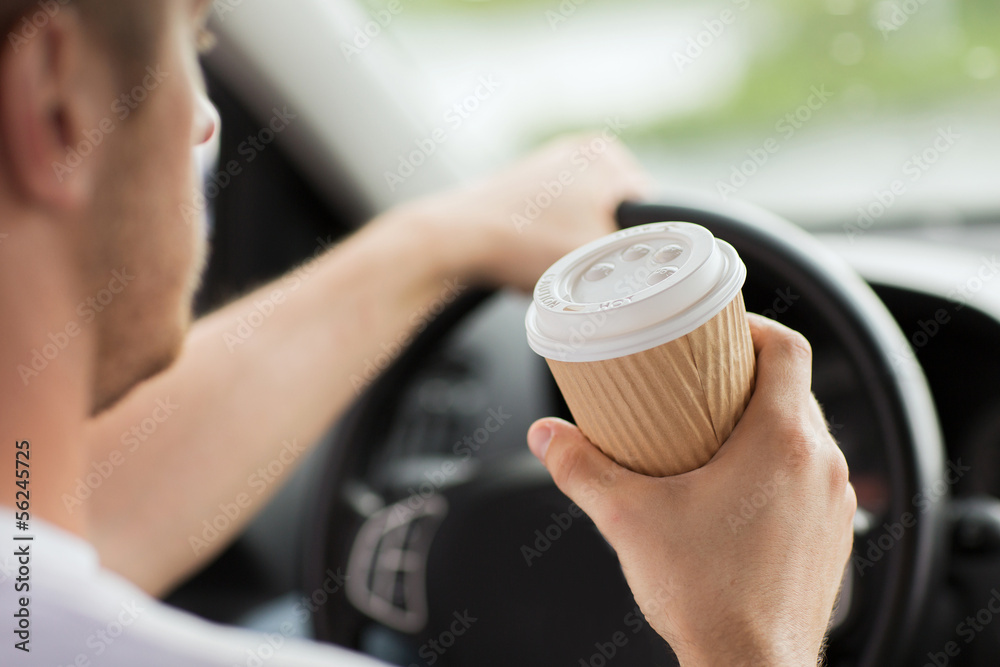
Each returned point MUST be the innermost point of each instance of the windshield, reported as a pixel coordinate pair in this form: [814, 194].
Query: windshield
[835, 113]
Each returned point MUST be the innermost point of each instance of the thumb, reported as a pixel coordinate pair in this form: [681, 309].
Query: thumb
[578, 468]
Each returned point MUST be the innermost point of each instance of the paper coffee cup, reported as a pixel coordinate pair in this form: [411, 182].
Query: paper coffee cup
[645, 332]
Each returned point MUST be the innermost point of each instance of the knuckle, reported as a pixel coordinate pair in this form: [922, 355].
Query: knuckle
[795, 441]
[617, 152]
[851, 501]
[839, 474]
[795, 345]
[809, 456]
[801, 451]
[800, 454]
[575, 141]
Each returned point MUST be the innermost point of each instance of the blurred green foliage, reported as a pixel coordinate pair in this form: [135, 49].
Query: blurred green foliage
[878, 57]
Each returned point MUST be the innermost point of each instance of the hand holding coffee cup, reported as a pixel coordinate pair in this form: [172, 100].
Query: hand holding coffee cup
[645, 332]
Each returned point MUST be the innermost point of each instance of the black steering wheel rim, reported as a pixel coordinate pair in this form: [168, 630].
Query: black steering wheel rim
[912, 434]
[906, 418]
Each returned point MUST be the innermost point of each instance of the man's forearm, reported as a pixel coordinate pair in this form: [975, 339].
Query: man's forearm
[257, 383]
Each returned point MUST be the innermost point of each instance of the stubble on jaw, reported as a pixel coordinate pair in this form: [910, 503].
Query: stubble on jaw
[142, 340]
[129, 363]
[119, 371]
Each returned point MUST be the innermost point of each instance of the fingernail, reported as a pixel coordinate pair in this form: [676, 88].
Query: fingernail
[538, 441]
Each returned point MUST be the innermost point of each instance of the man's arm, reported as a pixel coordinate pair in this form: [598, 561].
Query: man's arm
[721, 588]
[242, 397]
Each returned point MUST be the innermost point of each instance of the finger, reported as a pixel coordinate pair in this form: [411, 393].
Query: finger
[636, 187]
[784, 367]
[632, 181]
[578, 468]
[779, 418]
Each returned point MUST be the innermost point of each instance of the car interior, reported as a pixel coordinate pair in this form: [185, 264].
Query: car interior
[847, 150]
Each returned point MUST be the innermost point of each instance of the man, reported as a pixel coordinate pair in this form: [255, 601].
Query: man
[97, 271]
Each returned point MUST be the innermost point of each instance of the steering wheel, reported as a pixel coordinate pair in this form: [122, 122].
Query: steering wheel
[458, 549]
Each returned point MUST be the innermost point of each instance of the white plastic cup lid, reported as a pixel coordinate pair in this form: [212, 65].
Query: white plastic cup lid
[632, 291]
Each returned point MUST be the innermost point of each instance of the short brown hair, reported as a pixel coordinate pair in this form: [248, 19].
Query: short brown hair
[130, 28]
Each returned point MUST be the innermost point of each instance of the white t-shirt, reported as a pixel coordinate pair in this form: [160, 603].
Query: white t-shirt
[81, 615]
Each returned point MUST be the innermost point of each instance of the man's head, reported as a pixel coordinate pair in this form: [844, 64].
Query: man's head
[128, 27]
[101, 102]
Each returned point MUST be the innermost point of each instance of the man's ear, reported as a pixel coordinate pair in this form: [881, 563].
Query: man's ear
[51, 112]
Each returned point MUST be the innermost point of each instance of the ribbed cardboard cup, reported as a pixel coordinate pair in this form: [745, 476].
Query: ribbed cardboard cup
[645, 332]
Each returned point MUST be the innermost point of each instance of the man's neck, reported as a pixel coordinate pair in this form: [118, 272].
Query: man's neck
[45, 370]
